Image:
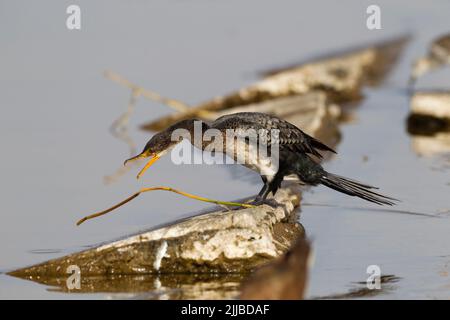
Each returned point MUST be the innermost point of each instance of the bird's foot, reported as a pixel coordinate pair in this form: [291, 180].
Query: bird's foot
[257, 202]
[231, 208]
[270, 202]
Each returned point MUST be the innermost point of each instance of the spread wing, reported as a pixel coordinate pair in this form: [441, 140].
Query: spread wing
[288, 136]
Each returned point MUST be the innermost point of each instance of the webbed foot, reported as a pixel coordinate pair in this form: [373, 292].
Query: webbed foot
[260, 201]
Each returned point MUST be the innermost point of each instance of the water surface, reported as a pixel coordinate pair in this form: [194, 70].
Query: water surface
[57, 108]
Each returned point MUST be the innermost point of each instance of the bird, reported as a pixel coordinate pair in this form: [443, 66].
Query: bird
[297, 153]
[438, 55]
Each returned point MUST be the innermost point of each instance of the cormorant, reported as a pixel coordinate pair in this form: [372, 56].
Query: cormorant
[296, 151]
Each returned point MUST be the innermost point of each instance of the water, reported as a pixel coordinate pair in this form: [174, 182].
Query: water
[57, 108]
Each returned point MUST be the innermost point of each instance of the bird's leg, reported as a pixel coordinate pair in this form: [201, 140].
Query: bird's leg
[274, 185]
[268, 187]
[263, 193]
[260, 198]
[264, 190]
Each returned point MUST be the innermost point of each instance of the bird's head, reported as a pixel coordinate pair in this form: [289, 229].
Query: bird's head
[162, 142]
[156, 147]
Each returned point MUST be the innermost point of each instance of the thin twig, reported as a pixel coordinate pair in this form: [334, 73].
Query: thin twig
[120, 130]
[177, 105]
[226, 203]
[120, 127]
[151, 95]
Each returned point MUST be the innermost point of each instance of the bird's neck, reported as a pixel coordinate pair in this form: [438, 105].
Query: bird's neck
[195, 129]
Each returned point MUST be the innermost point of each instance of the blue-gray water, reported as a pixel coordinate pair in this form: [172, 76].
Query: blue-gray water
[57, 108]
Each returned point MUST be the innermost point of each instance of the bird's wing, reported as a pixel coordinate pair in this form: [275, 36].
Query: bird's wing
[284, 133]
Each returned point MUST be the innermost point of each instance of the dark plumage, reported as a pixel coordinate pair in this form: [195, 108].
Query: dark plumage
[312, 173]
[290, 137]
[295, 150]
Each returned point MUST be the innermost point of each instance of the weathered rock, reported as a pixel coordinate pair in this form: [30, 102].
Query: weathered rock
[340, 78]
[429, 122]
[218, 241]
[437, 56]
[312, 112]
[435, 104]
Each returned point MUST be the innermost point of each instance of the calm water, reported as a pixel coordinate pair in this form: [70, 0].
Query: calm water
[57, 108]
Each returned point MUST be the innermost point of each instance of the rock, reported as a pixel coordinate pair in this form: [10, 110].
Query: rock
[429, 122]
[219, 241]
[340, 78]
[361, 291]
[437, 56]
[312, 112]
[435, 104]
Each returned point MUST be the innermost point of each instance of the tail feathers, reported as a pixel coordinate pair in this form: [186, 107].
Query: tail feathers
[355, 188]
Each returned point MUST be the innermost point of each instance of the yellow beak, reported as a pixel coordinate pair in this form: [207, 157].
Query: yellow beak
[152, 161]
[142, 156]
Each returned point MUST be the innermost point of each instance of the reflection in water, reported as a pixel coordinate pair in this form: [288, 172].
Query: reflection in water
[361, 291]
[284, 278]
[436, 144]
[44, 251]
[164, 286]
